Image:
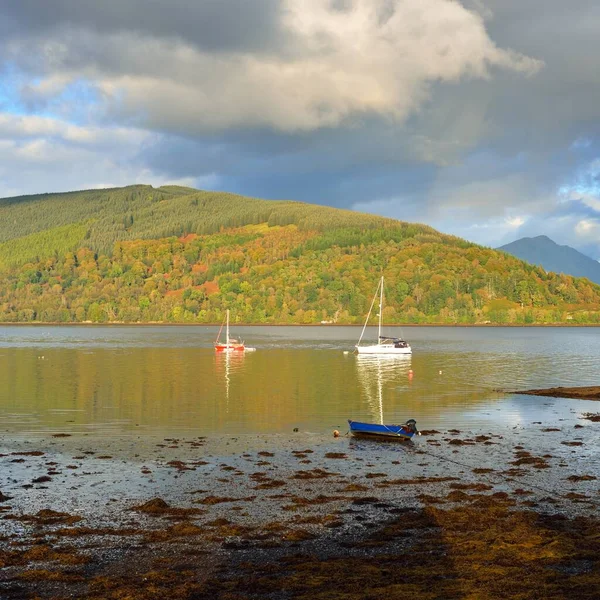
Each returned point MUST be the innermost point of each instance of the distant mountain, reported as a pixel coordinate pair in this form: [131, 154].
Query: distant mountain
[542, 251]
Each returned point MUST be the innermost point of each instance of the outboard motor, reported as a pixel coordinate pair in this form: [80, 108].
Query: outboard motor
[411, 425]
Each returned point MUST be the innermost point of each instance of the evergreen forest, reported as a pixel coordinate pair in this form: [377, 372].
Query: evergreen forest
[177, 255]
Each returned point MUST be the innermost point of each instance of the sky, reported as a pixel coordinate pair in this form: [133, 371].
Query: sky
[480, 118]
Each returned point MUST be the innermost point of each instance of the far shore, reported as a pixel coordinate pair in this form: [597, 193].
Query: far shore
[164, 324]
[581, 393]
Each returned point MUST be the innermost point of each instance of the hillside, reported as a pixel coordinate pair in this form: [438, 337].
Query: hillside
[542, 251]
[48, 223]
[140, 254]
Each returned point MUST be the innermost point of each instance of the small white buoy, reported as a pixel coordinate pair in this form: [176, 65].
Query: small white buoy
[440, 372]
[346, 352]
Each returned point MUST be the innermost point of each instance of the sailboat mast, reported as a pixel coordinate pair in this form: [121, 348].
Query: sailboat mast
[227, 330]
[380, 310]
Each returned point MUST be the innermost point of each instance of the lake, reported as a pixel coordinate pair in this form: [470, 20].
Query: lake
[123, 380]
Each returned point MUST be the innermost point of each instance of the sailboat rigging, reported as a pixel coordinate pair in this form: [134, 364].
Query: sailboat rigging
[231, 344]
[385, 344]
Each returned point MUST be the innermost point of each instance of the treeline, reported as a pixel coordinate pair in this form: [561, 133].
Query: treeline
[291, 273]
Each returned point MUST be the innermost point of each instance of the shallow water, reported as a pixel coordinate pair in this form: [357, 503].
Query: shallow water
[164, 381]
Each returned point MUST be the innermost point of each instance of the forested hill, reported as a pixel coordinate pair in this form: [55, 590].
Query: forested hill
[48, 223]
[174, 254]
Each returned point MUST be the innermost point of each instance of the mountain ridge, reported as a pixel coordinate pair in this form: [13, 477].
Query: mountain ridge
[545, 252]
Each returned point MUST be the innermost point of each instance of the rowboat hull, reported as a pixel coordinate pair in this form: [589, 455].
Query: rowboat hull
[376, 430]
[383, 349]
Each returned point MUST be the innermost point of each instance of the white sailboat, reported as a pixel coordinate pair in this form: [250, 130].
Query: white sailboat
[385, 344]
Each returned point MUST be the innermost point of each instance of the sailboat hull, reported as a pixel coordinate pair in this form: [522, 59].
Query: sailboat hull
[230, 348]
[374, 429]
[383, 349]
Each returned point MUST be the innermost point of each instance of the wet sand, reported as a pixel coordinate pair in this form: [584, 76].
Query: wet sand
[583, 393]
[509, 513]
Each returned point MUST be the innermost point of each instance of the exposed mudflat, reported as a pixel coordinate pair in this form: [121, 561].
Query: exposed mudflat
[508, 513]
[583, 393]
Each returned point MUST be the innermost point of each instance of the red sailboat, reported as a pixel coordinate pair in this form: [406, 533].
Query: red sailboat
[231, 344]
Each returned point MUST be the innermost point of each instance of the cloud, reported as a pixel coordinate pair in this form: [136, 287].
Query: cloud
[341, 61]
[42, 154]
[587, 228]
[479, 117]
[211, 25]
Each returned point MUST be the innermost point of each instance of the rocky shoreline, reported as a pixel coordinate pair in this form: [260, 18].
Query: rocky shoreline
[581, 392]
[510, 513]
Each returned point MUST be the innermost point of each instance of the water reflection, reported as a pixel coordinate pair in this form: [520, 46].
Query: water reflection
[227, 363]
[110, 380]
[376, 372]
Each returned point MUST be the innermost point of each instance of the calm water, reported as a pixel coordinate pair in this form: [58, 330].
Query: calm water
[168, 380]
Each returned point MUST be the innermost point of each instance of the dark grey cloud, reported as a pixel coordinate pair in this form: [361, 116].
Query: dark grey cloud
[213, 25]
[338, 167]
[561, 97]
[541, 114]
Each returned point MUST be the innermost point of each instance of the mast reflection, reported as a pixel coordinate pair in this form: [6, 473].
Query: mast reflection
[226, 364]
[375, 372]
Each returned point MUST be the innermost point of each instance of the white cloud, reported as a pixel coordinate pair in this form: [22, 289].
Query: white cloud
[515, 222]
[588, 230]
[591, 200]
[43, 154]
[377, 56]
[21, 128]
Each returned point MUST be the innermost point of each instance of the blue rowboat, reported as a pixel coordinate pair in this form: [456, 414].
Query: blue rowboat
[404, 431]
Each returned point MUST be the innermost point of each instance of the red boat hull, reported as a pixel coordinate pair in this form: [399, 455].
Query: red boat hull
[223, 348]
